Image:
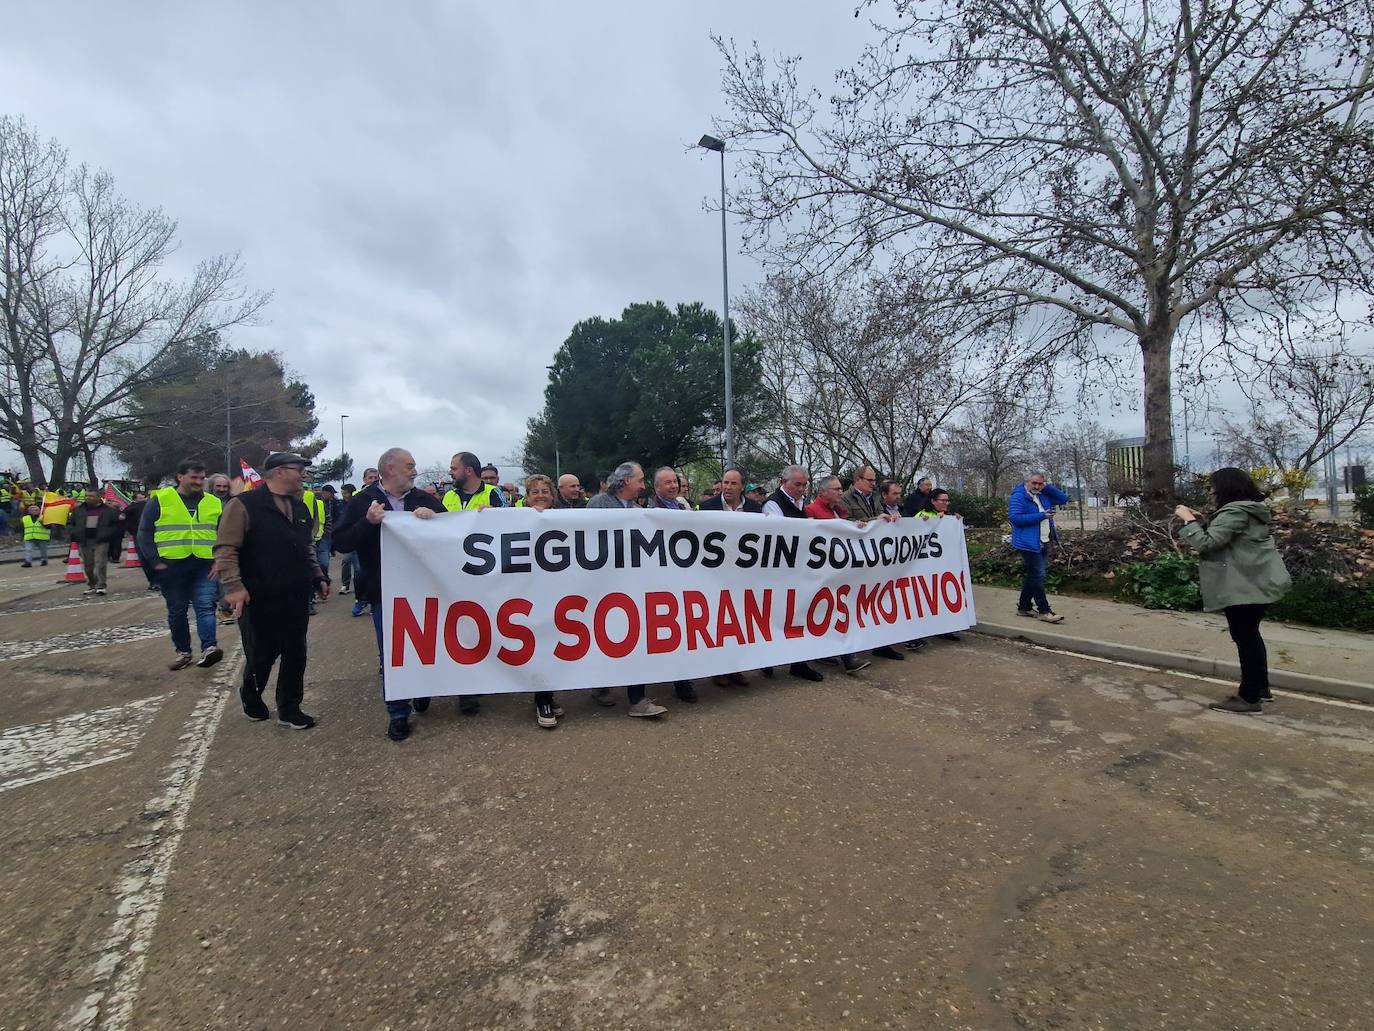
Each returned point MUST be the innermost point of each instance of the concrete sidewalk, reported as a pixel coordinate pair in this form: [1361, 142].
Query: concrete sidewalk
[1338, 663]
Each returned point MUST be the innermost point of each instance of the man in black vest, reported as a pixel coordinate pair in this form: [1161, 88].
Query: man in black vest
[789, 501]
[265, 556]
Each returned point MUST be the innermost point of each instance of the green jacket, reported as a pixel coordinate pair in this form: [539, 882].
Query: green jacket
[1239, 563]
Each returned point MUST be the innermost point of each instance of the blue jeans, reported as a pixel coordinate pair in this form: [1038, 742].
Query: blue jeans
[322, 549]
[35, 551]
[186, 581]
[346, 561]
[400, 708]
[1033, 582]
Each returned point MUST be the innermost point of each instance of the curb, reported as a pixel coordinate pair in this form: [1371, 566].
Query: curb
[1224, 668]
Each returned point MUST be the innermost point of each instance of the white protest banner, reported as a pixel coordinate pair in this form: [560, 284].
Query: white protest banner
[508, 600]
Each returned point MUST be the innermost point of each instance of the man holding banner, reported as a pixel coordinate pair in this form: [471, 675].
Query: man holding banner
[361, 533]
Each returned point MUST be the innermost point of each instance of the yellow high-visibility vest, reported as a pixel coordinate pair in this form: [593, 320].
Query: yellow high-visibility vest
[482, 497]
[35, 530]
[315, 506]
[179, 534]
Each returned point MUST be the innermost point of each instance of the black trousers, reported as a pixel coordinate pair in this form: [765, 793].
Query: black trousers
[273, 628]
[1244, 623]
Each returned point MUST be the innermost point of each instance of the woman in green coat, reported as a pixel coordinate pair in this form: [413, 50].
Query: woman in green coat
[1241, 574]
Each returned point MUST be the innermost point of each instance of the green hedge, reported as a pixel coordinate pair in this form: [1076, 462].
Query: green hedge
[978, 511]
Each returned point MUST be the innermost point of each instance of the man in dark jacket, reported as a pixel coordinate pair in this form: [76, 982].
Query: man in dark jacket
[731, 497]
[129, 519]
[265, 557]
[93, 526]
[361, 533]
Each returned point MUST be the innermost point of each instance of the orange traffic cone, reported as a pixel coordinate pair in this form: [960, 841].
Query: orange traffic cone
[75, 573]
[130, 557]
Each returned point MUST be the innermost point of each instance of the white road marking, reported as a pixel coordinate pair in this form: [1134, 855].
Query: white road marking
[114, 974]
[42, 751]
[100, 637]
[1278, 692]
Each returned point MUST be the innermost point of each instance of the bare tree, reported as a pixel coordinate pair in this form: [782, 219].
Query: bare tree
[1301, 410]
[1184, 177]
[88, 316]
[857, 376]
[995, 437]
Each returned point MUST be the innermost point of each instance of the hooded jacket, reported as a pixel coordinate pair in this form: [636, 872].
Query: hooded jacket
[1239, 564]
[1025, 516]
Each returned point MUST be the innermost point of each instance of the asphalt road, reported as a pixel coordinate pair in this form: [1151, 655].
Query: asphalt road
[985, 836]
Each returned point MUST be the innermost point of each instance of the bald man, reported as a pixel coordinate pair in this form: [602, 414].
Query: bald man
[569, 493]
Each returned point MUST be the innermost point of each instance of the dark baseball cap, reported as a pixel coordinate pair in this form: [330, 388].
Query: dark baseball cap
[282, 458]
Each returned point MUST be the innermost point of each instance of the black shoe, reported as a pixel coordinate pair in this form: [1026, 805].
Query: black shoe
[852, 664]
[916, 645]
[889, 652]
[468, 705]
[767, 671]
[804, 670]
[27, 565]
[295, 720]
[952, 637]
[544, 716]
[210, 656]
[420, 704]
[685, 691]
[398, 729]
[829, 660]
[1236, 704]
[1266, 696]
[253, 706]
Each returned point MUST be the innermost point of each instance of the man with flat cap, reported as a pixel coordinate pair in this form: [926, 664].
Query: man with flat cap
[265, 555]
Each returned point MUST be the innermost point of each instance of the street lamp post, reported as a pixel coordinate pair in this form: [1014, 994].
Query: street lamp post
[711, 143]
[343, 467]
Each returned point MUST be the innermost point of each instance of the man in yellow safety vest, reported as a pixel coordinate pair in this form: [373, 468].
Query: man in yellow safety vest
[177, 531]
[470, 493]
[36, 537]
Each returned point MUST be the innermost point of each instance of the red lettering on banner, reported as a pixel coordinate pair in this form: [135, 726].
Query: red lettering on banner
[929, 590]
[513, 631]
[956, 603]
[864, 606]
[660, 614]
[887, 602]
[616, 649]
[697, 615]
[727, 620]
[903, 583]
[457, 651]
[816, 626]
[788, 630]
[842, 609]
[758, 615]
[404, 625]
[574, 628]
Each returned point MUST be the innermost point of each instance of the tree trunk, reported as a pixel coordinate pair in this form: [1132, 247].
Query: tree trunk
[1157, 476]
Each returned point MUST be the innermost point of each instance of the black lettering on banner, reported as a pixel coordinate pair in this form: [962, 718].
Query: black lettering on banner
[480, 560]
[887, 548]
[693, 547]
[817, 550]
[585, 561]
[515, 553]
[555, 542]
[748, 551]
[936, 548]
[713, 554]
[787, 552]
[921, 543]
[645, 544]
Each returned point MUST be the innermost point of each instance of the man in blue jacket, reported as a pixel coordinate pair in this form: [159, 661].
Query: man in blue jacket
[1031, 511]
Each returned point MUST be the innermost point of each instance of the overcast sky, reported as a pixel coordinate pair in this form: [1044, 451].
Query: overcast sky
[434, 192]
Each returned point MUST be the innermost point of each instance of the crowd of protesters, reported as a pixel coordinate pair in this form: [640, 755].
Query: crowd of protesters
[262, 558]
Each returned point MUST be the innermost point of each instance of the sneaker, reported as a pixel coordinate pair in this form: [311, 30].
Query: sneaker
[556, 709]
[853, 664]
[806, 672]
[398, 729]
[312, 607]
[468, 705]
[43, 563]
[182, 660]
[685, 691]
[27, 565]
[544, 716]
[227, 620]
[88, 592]
[1026, 612]
[646, 707]
[888, 652]
[295, 720]
[420, 704]
[100, 591]
[1050, 617]
[359, 607]
[603, 696]
[1266, 696]
[1236, 704]
[345, 589]
[210, 656]
[916, 645]
[253, 706]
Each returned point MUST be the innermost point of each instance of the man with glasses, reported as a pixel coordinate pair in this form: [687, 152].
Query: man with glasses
[861, 499]
[1030, 510]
